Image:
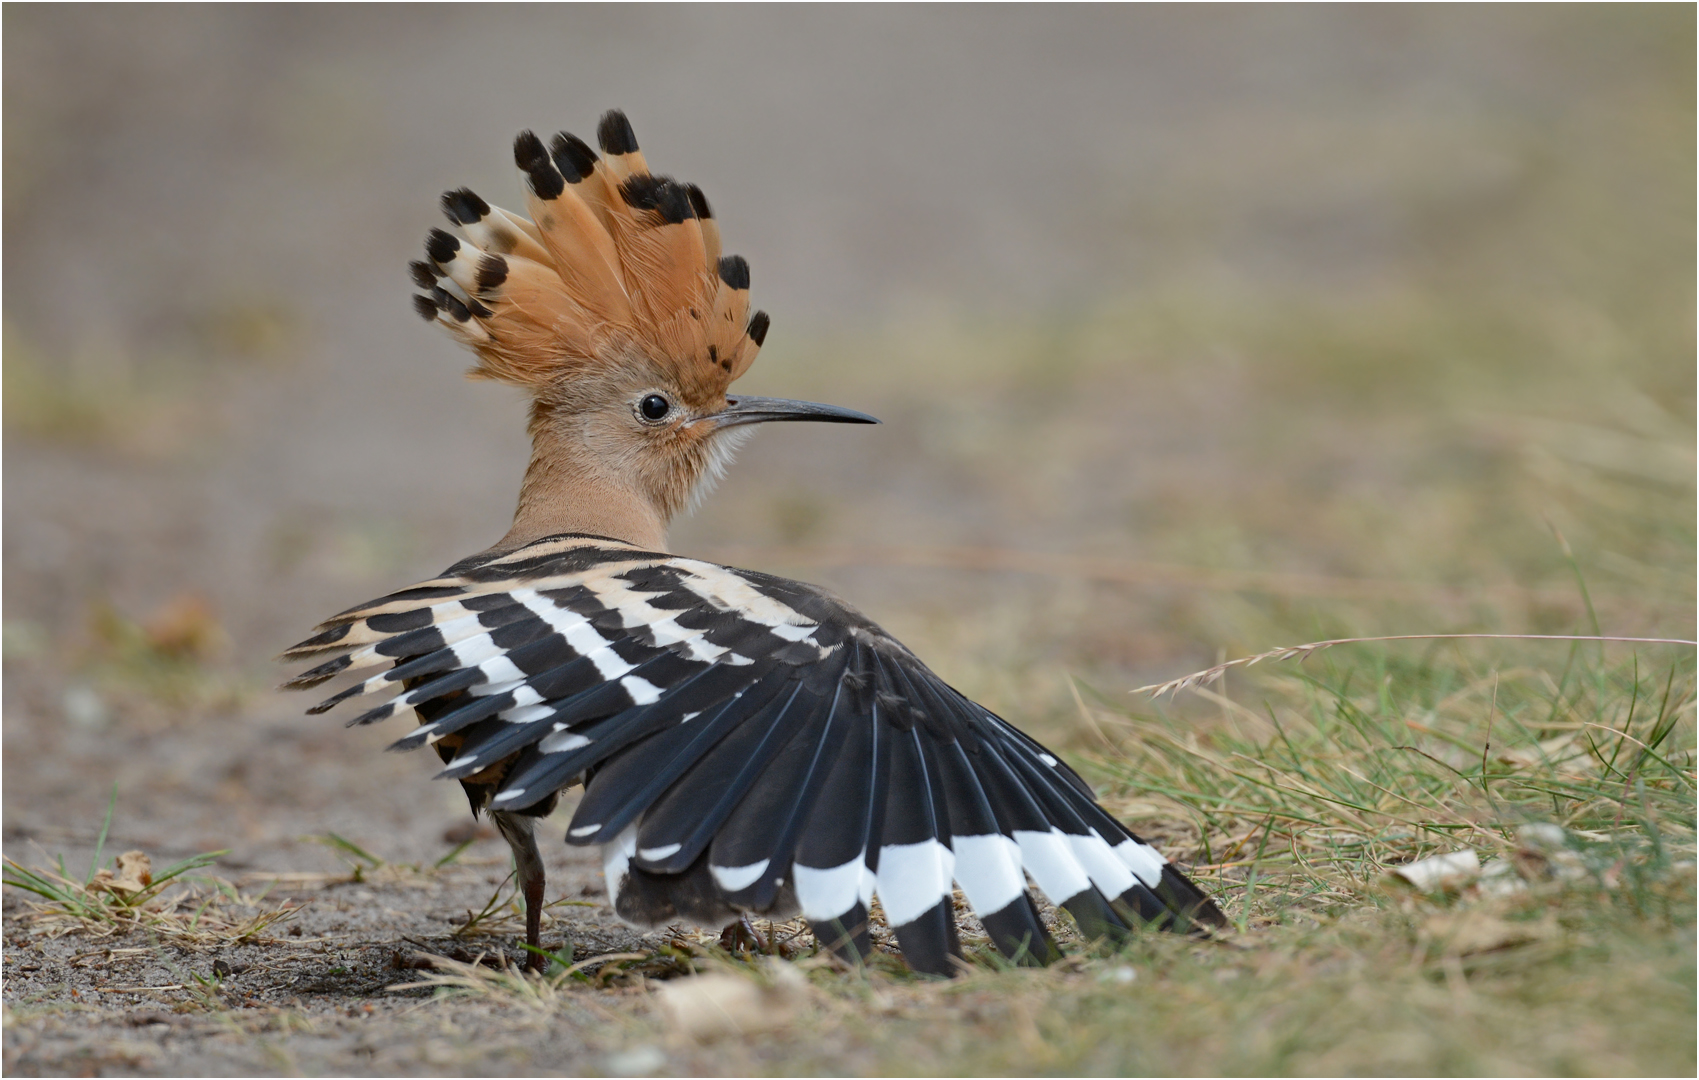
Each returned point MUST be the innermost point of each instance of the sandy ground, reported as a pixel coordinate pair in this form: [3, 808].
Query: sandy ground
[207, 214]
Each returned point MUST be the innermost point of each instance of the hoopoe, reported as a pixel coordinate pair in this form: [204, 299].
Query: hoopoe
[747, 745]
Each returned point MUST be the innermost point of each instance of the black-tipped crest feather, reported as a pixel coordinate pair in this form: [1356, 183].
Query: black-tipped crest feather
[734, 271]
[463, 207]
[492, 271]
[529, 154]
[573, 157]
[662, 194]
[450, 303]
[441, 246]
[699, 201]
[614, 133]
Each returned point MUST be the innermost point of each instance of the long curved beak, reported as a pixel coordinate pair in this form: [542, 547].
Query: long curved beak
[743, 409]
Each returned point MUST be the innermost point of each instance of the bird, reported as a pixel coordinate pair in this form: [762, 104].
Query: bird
[747, 745]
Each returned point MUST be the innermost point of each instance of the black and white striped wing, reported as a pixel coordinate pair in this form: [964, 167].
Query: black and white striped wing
[748, 744]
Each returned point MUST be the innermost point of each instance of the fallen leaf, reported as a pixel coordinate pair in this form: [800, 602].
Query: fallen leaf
[135, 873]
[1440, 873]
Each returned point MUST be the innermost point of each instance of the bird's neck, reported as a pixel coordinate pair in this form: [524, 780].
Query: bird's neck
[566, 490]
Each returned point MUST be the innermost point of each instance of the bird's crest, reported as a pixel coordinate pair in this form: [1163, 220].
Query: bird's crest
[615, 265]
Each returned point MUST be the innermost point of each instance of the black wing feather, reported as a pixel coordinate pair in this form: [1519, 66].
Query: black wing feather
[537, 772]
[686, 818]
[762, 830]
[914, 816]
[630, 782]
[749, 744]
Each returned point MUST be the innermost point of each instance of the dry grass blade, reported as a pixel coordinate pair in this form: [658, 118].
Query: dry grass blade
[1287, 652]
[1359, 768]
[507, 981]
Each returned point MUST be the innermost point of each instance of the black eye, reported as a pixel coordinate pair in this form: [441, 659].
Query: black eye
[654, 407]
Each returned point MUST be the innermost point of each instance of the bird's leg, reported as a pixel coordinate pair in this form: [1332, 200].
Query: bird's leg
[742, 935]
[516, 830]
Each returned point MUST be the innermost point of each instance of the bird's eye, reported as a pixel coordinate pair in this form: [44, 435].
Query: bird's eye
[654, 407]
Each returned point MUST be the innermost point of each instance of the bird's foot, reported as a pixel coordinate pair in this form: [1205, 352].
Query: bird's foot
[536, 962]
[741, 936]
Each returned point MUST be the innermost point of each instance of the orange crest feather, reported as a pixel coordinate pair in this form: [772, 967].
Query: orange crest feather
[613, 258]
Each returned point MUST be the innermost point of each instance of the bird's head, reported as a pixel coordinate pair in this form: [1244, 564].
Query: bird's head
[613, 306]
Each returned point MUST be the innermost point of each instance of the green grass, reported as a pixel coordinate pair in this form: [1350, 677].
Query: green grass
[1422, 745]
[1294, 798]
[1297, 796]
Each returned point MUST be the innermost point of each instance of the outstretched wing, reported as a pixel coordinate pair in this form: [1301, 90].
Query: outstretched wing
[748, 744]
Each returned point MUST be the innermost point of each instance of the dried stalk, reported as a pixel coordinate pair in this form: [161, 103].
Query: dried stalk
[1302, 652]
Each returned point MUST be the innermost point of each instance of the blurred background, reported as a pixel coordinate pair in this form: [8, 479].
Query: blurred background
[1196, 331]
